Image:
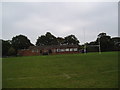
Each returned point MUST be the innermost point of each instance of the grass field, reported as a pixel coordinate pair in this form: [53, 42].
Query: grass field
[92, 70]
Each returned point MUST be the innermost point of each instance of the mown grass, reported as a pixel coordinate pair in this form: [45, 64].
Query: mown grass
[92, 70]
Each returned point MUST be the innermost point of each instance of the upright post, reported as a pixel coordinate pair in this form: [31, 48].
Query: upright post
[84, 49]
[84, 42]
[99, 45]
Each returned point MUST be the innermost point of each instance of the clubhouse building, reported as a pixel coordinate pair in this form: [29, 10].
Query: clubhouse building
[46, 50]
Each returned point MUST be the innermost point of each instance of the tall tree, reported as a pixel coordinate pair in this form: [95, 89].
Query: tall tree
[52, 40]
[42, 40]
[21, 42]
[47, 39]
[60, 40]
[5, 47]
[71, 40]
[102, 34]
[106, 43]
[116, 41]
[11, 52]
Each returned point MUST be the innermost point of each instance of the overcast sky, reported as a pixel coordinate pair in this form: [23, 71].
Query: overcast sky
[34, 19]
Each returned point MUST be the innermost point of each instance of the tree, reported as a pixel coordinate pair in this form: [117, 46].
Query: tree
[60, 40]
[21, 42]
[92, 47]
[51, 39]
[41, 41]
[71, 40]
[1, 47]
[47, 39]
[106, 43]
[116, 41]
[5, 47]
[102, 34]
[11, 52]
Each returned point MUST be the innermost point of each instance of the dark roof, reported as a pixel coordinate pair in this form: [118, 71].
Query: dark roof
[53, 46]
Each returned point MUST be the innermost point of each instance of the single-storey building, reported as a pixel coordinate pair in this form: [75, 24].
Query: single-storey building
[46, 50]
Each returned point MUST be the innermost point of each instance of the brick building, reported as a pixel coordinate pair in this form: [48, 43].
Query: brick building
[46, 50]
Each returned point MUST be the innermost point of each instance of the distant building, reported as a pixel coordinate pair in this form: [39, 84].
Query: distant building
[46, 50]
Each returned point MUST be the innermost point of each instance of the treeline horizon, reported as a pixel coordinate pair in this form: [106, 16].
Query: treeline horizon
[10, 47]
[57, 37]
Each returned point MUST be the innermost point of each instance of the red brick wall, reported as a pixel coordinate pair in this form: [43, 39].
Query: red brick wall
[27, 53]
[68, 52]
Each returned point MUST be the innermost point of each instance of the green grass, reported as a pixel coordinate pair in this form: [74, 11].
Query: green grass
[92, 70]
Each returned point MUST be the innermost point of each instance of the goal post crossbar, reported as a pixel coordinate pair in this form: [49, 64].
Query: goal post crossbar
[92, 46]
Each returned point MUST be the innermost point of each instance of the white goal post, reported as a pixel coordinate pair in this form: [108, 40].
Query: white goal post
[85, 48]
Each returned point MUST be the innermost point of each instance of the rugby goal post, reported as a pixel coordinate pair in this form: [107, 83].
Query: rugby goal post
[85, 50]
[85, 47]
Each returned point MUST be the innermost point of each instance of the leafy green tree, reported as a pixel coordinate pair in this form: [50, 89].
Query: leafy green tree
[93, 43]
[71, 40]
[60, 40]
[21, 42]
[47, 39]
[11, 52]
[102, 34]
[116, 41]
[5, 47]
[106, 43]
[51, 39]
[42, 40]
[1, 47]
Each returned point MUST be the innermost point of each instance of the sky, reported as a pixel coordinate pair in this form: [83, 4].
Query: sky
[85, 20]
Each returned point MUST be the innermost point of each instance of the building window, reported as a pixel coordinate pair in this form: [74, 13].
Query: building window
[67, 49]
[54, 50]
[71, 49]
[33, 50]
[57, 50]
[62, 50]
[37, 50]
[75, 49]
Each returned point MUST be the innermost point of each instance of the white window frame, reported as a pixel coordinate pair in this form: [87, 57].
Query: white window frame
[67, 49]
[57, 50]
[75, 49]
[62, 50]
[71, 49]
[33, 50]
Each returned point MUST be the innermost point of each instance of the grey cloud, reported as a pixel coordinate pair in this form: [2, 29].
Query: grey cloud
[61, 19]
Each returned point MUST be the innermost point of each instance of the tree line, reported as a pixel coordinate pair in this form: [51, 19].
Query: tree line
[106, 43]
[10, 47]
